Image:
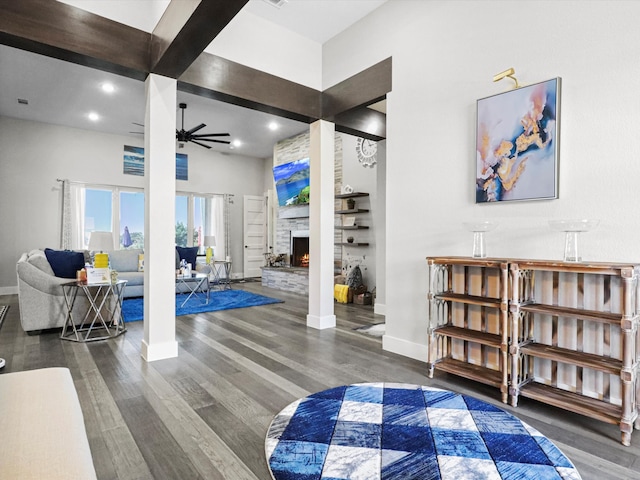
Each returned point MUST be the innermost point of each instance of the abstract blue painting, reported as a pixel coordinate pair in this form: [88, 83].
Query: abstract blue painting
[517, 144]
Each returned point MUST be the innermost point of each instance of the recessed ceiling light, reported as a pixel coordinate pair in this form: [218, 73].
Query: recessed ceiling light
[237, 143]
[273, 126]
[93, 116]
[108, 87]
[276, 3]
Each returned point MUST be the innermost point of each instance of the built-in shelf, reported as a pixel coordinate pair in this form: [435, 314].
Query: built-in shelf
[354, 210]
[351, 211]
[352, 195]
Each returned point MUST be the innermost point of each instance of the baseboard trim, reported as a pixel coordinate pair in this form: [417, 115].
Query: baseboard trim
[380, 309]
[405, 348]
[320, 323]
[159, 351]
[9, 290]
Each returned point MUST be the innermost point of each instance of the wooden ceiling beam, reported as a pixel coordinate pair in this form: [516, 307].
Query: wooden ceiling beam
[186, 28]
[68, 33]
[215, 77]
[360, 90]
[71, 34]
[363, 122]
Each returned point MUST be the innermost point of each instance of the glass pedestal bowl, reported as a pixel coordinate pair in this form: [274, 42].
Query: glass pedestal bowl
[478, 229]
[572, 230]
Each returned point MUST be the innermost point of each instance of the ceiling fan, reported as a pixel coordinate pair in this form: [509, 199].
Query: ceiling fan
[188, 135]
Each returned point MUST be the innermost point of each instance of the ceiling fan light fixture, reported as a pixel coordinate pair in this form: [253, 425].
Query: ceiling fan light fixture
[190, 135]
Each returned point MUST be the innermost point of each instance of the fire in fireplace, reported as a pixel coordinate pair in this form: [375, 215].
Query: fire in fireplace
[300, 248]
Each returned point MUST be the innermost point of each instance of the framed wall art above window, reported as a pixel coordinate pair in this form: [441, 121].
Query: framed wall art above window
[517, 144]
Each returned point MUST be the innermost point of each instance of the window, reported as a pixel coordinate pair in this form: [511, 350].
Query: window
[209, 221]
[182, 222]
[131, 220]
[116, 209]
[98, 212]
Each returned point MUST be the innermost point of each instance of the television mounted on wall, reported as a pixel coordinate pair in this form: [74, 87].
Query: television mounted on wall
[292, 183]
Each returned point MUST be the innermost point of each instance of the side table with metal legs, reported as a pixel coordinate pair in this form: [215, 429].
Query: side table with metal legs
[221, 270]
[103, 318]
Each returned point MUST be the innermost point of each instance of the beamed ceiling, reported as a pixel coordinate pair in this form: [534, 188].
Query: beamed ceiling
[175, 49]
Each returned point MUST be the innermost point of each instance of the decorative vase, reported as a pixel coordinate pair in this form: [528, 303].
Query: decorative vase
[351, 204]
[350, 239]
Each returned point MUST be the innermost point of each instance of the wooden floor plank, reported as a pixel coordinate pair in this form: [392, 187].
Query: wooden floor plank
[205, 414]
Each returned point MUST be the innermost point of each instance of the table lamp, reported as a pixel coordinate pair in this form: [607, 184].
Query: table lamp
[101, 241]
[210, 241]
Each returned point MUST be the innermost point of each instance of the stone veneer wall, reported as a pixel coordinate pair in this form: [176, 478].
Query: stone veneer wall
[289, 279]
[296, 148]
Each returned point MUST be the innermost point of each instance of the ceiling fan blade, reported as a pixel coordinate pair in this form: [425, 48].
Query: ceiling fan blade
[195, 129]
[211, 135]
[210, 140]
[201, 144]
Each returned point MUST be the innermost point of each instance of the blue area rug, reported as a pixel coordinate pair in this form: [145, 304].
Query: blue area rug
[398, 431]
[133, 308]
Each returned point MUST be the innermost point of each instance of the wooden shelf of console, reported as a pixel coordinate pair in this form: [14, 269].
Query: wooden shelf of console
[468, 319]
[572, 331]
[574, 338]
[353, 227]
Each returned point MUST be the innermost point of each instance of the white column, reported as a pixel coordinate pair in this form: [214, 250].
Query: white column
[159, 340]
[321, 214]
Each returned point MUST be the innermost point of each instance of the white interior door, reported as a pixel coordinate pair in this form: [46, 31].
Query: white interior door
[254, 220]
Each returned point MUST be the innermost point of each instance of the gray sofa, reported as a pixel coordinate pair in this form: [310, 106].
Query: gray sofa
[125, 262]
[40, 295]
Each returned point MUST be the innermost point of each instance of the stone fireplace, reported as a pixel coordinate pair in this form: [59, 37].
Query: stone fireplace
[299, 248]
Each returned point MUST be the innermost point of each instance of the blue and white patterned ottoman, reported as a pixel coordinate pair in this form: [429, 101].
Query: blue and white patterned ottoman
[392, 431]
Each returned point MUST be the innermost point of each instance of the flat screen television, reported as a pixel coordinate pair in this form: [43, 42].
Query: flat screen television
[292, 182]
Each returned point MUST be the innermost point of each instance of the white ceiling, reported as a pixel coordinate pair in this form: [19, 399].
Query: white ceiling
[64, 93]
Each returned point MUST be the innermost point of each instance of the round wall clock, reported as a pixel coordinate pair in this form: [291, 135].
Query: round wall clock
[367, 151]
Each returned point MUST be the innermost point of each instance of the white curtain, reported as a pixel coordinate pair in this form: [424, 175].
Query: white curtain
[218, 227]
[65, 231]
[72, 236]
[77, 198]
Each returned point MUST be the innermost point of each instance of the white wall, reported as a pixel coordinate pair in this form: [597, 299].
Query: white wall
[33, 155]
[362, 179]
[257, 43]
[445, 54]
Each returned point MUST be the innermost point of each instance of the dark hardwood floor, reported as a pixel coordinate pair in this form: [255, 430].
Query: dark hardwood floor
[205, 414]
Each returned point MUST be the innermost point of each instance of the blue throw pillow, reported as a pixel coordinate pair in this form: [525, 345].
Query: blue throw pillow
[64, 263]
[188, 254]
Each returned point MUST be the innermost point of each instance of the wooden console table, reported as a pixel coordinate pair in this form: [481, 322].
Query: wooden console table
[562, 333]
